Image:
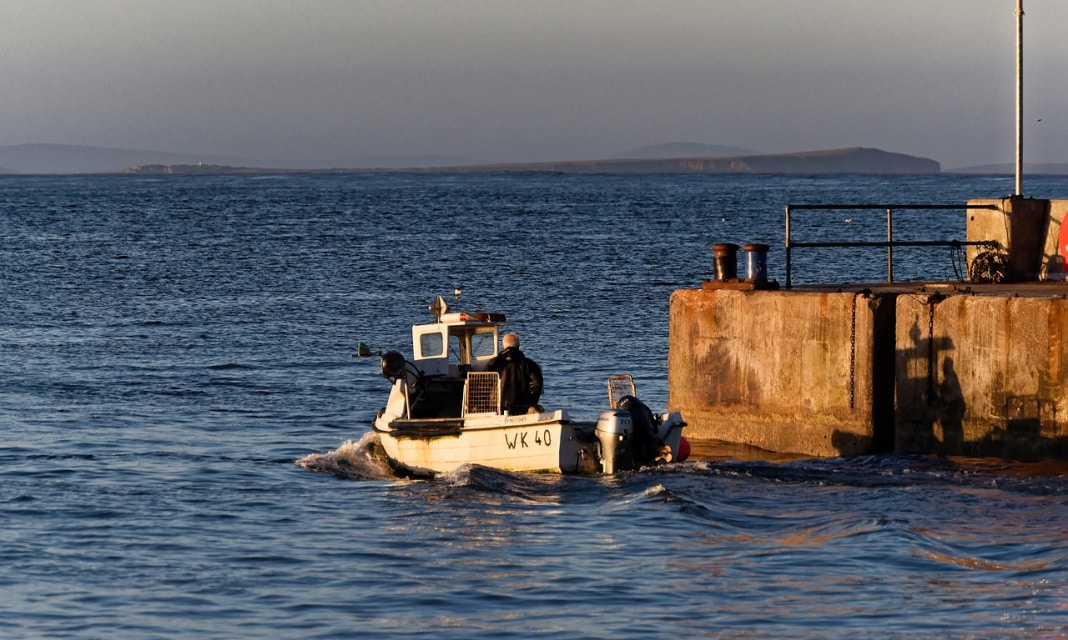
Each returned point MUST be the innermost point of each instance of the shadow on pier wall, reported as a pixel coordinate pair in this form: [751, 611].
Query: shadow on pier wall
[930, 408]
[931, 412]
[1028, 432]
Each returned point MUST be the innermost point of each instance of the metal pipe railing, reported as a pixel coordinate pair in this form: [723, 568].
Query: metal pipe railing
[890, 243]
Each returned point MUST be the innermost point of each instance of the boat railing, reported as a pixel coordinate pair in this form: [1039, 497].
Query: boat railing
[482, 392]
[890, 243]
[619, 387]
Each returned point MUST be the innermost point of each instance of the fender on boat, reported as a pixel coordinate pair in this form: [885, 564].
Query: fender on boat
[684, 449]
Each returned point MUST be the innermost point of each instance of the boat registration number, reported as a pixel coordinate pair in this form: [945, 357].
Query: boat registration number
[527, 439]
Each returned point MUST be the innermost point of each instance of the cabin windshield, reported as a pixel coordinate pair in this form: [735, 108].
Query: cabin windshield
[483, 348]
[452, 350]
[472, 347]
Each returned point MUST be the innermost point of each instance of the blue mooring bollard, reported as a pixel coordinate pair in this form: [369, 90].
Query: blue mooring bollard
[758, 262]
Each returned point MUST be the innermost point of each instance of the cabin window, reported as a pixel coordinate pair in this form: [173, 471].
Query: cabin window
[454, 350]
[483, 345]
[431, 345]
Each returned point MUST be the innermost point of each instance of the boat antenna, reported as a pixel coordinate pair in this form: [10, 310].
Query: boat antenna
[1019, 98]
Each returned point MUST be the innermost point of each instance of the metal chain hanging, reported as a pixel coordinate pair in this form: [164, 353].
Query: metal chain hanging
[932, 351]
[853, 354]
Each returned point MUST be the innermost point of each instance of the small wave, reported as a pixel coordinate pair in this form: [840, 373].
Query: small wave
[528, 487]
[883, 471]
[351, 461]
[655, 490]
[229, 366]
[972, 563]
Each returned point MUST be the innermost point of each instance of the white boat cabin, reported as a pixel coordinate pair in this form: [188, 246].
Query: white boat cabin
[457, 344]
[447, 377]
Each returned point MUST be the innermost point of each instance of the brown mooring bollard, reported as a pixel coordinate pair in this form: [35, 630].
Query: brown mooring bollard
[757, 254]
[726, 261]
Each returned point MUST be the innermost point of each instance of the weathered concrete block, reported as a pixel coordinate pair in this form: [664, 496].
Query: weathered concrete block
[1025, 230]
[787, 371]
[982, 375]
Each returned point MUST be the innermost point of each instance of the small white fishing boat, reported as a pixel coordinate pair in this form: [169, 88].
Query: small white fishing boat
[444, 411]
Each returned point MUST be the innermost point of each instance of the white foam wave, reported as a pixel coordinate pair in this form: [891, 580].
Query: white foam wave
[360, 460]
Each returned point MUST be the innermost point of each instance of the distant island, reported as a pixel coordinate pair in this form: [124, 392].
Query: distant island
[53, 159]
[672, 157]
[852, 160]
[65, 159]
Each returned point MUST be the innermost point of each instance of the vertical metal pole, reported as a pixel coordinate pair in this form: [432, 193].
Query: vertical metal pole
[890, 246]
[1019, 98]
[787, 246]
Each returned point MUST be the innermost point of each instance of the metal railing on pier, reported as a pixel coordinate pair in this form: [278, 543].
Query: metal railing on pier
[889, 243]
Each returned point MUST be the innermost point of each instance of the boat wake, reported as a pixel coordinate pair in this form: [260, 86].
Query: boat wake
[361, 460]
[533, 488]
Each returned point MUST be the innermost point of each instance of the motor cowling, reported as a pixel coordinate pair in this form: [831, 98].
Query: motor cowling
[393, 364]
[613, 431]
[644, 446]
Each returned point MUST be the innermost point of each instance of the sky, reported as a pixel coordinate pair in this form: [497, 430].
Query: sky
[533, 80]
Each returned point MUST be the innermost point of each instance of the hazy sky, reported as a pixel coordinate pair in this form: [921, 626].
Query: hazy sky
[498, 80]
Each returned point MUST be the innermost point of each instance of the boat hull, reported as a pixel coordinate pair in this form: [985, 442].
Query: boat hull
[541, 442]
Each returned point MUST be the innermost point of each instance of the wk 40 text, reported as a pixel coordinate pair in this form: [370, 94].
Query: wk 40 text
[527, 439]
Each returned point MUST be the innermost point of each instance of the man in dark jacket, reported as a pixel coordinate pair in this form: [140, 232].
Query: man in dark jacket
[521, 381]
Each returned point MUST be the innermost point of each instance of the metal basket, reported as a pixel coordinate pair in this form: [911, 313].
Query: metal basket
[482, 392]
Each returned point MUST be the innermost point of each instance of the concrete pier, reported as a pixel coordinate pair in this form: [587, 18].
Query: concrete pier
[978, 369]
[983, 374]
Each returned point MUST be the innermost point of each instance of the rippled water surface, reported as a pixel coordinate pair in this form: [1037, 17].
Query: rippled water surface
[171, 348]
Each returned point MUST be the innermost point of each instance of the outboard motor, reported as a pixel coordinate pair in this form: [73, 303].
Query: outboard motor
[614, 427]
[645, 445]
[393, 365]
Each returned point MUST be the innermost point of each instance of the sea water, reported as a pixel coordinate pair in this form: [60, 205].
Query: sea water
[171, 347]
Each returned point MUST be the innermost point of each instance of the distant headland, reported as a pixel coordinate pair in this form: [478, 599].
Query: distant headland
[675, 157]
[853, 160]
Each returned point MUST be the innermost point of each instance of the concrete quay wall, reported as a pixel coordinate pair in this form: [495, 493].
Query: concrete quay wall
[982, 375]
[938, 369]
[786, 371]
